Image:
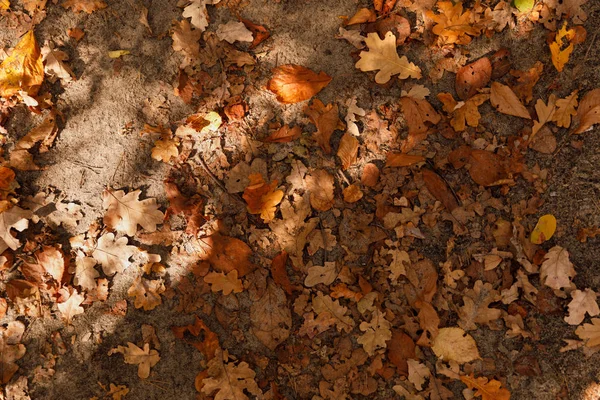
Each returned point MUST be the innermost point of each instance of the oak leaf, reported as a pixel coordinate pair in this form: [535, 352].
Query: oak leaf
[47, 272]
[54, 64]
[23, 70]
[526, 80]
[143, 358]
[451, 24]
[164, 149]
[295, 83]
[11, 349]
[476, 306]
[583, 302]
[85, 273]
[321, 274]
[186, 39]
[262, 198]
[348, 150]
[88, 6]
[463, 113]
[332, 310]
[506, 101]
[124, 212]
[588, 113]
[491, 390]
[113, 254]
[562, 47]
[545, 114]
[197, 12]
[453, 344]
[13, 218]
[225, 283]
[590, 333]
[320, 185]
[565, 109]
[557, 270]
[572, 9]
[69, 304]
[271, 317]
[228, 380]
[382, 56]
[376, 333]
[326, 119]
[207, 343]
[353, 111]
[234, 31]
[146, 292]
[417, 373]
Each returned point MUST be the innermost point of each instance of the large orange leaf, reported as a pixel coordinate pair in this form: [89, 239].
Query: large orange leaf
[227, 253]
[294, 83]
[23, 69]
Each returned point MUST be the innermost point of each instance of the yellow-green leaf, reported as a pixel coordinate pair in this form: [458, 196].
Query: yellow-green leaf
[544, 229]
[118, 53]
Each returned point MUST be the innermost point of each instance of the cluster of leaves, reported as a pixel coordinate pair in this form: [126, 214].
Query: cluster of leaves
[333, 248]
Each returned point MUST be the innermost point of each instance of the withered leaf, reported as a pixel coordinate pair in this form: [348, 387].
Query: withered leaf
[326, 119]
[295, 83]
[472, 77]
[271, 316]
[439, 189]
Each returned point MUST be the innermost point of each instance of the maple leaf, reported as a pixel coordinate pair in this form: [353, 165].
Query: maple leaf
[565, 109]
[382, 56]
[113, 254]
[476, 308]
[321, 274]
[146, 292]
[326, 119]
[320, 186]
[348, 150]
[85, 273]
[376, 333]
[10, 349]
[487, 390]
[417, 373]
[271, 317]
[88, 6]
[506, 101]
[228, 380]
[557, 270]
[451, 24]
[23, 70]
[590, 333]
[545, 114]
[588, 113]
[143, 358]
[463, 113]
[124, 212]
[332, 310]
[583, 302]
[225, 283]
[234, 31]
[262, 198]
[208, 344]
[453, 344]
[14, 218]
[70, 304]
[295, 83]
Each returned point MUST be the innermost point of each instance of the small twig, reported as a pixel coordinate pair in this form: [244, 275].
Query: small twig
[117, 168]
[217, 181]
[590, 48]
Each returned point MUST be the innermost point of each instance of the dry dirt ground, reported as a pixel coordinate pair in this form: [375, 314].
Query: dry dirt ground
[99, 146]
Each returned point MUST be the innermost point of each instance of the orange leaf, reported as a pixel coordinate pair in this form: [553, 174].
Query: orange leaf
[472, 77]
[262, 198]
[439, 189]
[89, 6]
[320, 186]
[526, 80]
[588, 113]
[562, 47]
[208, 346]
[370, 175]
[348, 150]
[326, 119]
[279, 273]
[294, 83]
[225, 253]
[506, 101]
[352, 194]
[402, 160]
[487, 390]
[284, 134]
[362, 15]
[259, 32]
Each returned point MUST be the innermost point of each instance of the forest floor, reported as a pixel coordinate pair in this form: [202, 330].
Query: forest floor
[396, 266]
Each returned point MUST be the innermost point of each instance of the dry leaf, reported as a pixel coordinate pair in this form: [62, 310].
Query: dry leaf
[402, 160]
[348, 150]
[487, 390]
[352, 36]
[352, 193]
[23, 70]
[526, 80]
[47, 272]
[279, 272]
[476, 308]
[10, 349]
[353, 111]
[55, 66]
[113, 254]
[271, 317]
[70, 304]
[186, 39]
[234, 31]
[382, 56]
[370, 175]
[262, 198]
[228, 380]
[361, 16]
[197, 12]
[164, 149]
[472, 77]
[14, 218]
[225, 283]
[439, 189]
[590, 333]
[544, 142]
[225, 254]
[453, 344]
[583, 302]
[207, 341]
[124, 212]
[562, 47]
[143, 358]
[544, 229]
[320, 185]
[326, 119]
[330, 310]
[588, 113]
[321, 274]
[260, 33]
[284, 134]
[505, 101]
[545, 114]
[417, 373]
[463, 113]
[146, 292]
[88, 6]
[451, 24]
[85, 273]
[376, 333]
[565, 109]
[417, 112]
[557, 270]
[294, 83]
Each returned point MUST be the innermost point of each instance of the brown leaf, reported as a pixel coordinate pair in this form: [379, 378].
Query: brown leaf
[207, 344]
[147, 293]
[326, 119]
[565, 109]
[486, 168]
[487, 390]
[463, 114]
[370, 175]
[417, 113]
[400, 349]
[294, 83]
[505, 100]
[472, 77]
[588, 113]
[143, 358]
[192, 208]
[352, 193]
[284, 134]
[260, 33]
[271, 317]
[361, 16]
[439, 189]
[348, 150]
[320, 186]
[544, 142]
[279, 272]
[48, 272]
[226, 254]
[262, 198]
[402, 160]
[526, 80]
[397, 24]
[226, 283]
[88, 6]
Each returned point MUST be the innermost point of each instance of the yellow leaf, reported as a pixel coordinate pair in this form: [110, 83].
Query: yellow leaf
[453, 344]
[118, 53]
[4, 4]
[506, 101]
[487, 390]
[565, 109]
[452, 25]
[544, 229]
[23, 69]
[382, 56]
[561, 54]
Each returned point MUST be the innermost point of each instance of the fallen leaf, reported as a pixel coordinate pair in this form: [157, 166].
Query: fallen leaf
[143, 358]
[113, 254]
[284, 134]
[279, 272]
[114, 54]
[54, 64]
[400, 349]
[491, 390]
[544, 229]
[394, 23]
[207, 343]
[439, 189]
[186, 39]
[85, 273]
[557, 270]
[23, 70]
[124, 212]
[505, 101]
[451, 24]
[294, 83]
[453, 344]
[526, 80]
[402, 160]
[565, 109]
[476, 308]
[226, 253]
[88, 6]
[320, 185]
[588, 113]
[164, 149]
[326, 119]
[348, 150]
[146, 292]
[260, 33]
[321, 275]
[234, 31]
[271, 317]
[376, 333]
[545, 114]
[562, 47]
[486, 168]
[590, 333]
[228, 380]
[572, 9]
[352, 193]
[417, 112]
[262, 198]
[225, 283]
[382, 56]
[352, 36]
[328, 309]
[13, 218]
[463, 113]
[472, 77]
[417, 373]
[370, 175]
[76, 33]
[361, 16]
[353, 111]
[70, 304]
[197, 12]
[11, 349]
[47, 273]
[583, 302]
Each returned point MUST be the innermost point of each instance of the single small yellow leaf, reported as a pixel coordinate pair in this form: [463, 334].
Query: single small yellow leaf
[4, 4]
[544, 229]
[561, 54]
[118, 53]
[23, 70]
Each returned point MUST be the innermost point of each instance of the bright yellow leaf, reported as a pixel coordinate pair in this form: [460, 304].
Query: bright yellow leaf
[118, 53]
[544, 229]
[4, 4]
[23, 70]
[561, 54]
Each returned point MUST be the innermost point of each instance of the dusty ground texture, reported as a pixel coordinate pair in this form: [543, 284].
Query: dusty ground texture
[99, 145]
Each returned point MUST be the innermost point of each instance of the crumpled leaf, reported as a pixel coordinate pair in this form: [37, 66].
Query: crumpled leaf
[47, 273]
[451, 24]
[113, 254]
[544, 229]
[572, 9]
[590, 333]
[382, 56]
[526, 80]
[186, 39]
[588, 113]
[284, 134]
[13, 218]
[557, 270]
[453, 344]
[207, 343]
[506, 101]
[225, 283]
[491, 390]
[376, 333]
[262, 198]
[271, 317]
[326, 119]
[23, 70]
[88, 6]
[294, 83]
[353, 111]
[143, 358]
[229, 380]
[146, 292]
[124, 212]
[54, 64]
[583, 302]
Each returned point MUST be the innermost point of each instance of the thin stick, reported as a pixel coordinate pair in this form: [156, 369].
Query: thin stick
[217, 181]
